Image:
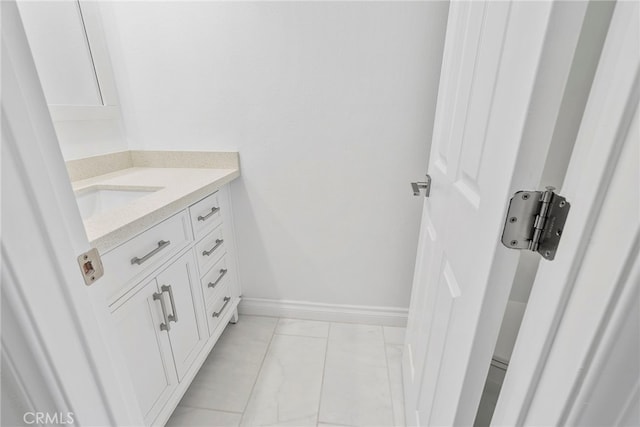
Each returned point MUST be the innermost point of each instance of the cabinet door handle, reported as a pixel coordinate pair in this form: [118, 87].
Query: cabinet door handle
[163, 326]
[210, 251]
[161, 245]
[223, 271]
[206, 217]
[172, 317]
[217, 313]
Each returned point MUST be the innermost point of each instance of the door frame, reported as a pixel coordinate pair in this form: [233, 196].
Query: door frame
[612, 103]
[56, 345]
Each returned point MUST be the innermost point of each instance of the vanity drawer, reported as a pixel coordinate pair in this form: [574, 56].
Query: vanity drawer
[219, 307]
[205, 215]
[210, 249]
[138, 256]
[215, 278]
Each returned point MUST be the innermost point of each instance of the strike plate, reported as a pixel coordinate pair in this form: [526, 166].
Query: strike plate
[91, 266]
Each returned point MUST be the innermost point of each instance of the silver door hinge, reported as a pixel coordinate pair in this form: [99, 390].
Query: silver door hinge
[91, 266]
[535, 221]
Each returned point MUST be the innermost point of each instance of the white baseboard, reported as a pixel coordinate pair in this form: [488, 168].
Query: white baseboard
[385, 316]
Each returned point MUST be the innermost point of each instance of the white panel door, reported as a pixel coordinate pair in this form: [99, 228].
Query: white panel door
[179, 283]
[503, 74]
[56, 348]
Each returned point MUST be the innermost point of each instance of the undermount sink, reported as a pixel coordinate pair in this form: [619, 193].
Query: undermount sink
[95, 201]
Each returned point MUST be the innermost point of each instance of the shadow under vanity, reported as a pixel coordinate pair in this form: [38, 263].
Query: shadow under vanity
[163, 225]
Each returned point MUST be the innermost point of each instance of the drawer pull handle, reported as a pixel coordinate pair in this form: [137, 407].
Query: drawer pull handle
[172, 317]
[223, 271]
[207, 216]
[161, 245]
[163, 326]
[226, 301]
[210, 251]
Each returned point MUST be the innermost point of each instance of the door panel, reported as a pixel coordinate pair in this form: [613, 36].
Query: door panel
[188, 333]
[420, 311]
[444, 301]
[482, 147]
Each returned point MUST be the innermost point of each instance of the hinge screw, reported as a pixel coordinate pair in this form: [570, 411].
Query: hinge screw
[562, 203]
[525, 196]
[514, 242]
[513, 219]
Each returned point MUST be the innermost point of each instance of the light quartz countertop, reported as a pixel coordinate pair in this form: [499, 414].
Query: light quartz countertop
[174, 189]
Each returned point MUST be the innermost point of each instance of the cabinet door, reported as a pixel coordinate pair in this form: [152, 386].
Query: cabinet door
[146, 348]
[179, 285]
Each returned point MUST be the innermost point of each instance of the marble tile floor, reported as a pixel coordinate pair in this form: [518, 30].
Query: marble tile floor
[266, 371]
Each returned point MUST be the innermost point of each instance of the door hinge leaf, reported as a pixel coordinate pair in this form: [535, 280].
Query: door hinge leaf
[535, 221]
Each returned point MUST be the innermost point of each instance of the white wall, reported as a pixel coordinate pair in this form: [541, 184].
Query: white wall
[85, 138]
[330, 105]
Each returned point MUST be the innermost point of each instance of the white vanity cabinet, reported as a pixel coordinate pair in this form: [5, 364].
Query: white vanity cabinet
[185, 316]
[136, 258]
[146, 349]
[171, 301]
[162, 330]
[214, 253]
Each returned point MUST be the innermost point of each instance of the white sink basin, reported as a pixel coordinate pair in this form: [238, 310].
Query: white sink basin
[95, 201]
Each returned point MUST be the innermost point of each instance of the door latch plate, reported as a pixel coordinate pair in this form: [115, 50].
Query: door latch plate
[535, 221]
[91, 266]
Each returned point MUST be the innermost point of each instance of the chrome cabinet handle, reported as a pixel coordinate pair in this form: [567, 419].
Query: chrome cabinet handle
[223, 271]
[210, 251]
[206, 217]
[226, 301]
[161, 245]
[163, 326]
[172, 317]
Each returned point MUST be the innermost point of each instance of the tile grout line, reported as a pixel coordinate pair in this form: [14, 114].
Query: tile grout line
[386, 358]
[324, 368]
[259, 371]
[208, 409]
[300, 335]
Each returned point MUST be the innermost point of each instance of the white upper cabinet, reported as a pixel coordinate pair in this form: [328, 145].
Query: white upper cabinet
[69, 50]
[61, 52]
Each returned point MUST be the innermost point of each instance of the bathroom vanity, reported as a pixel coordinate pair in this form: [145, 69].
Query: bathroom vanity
[165, 234]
